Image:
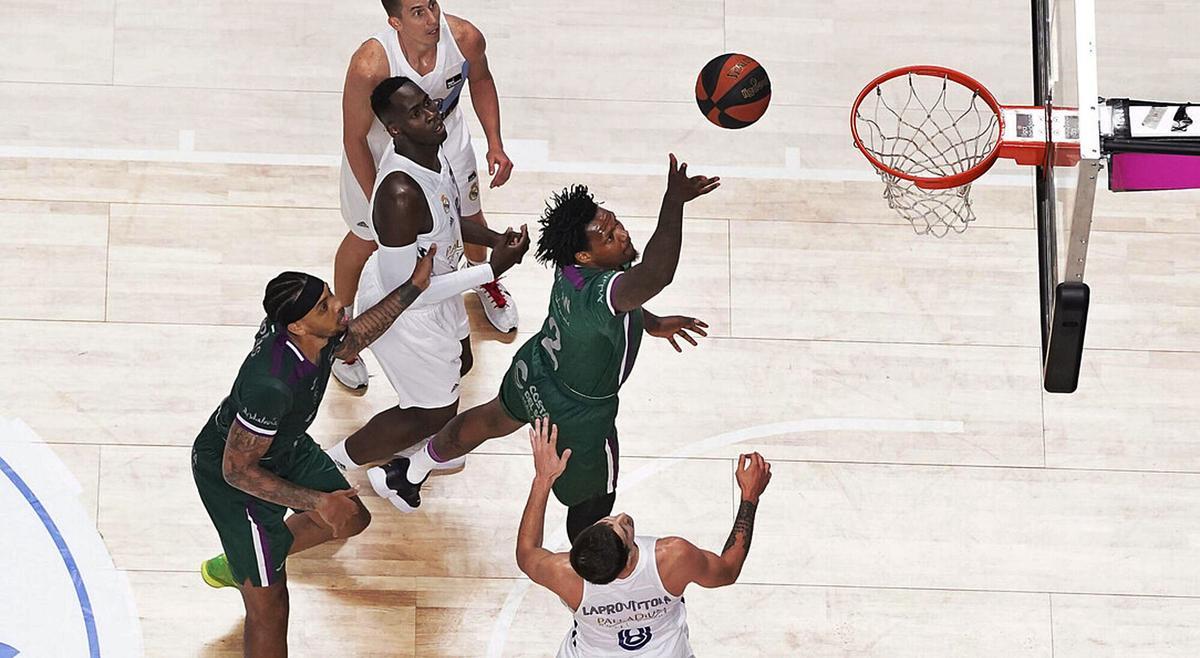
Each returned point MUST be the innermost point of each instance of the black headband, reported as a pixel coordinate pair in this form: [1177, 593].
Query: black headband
[291, 311]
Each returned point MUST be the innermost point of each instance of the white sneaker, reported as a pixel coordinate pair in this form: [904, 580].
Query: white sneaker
[444, 468]
[351, 375]
[498, 305]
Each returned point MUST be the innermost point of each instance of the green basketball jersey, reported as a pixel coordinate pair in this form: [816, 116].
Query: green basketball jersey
[586, 346]
[276, 394]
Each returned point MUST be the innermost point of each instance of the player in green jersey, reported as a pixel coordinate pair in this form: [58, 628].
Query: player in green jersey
[254, 459]
[573, 368]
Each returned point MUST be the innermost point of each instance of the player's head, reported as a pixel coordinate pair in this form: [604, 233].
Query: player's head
[417, 21]
[577, 231]
[303, 304]
[602, 551]
[407, 112]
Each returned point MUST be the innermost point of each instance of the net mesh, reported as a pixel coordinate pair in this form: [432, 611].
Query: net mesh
[929, 127]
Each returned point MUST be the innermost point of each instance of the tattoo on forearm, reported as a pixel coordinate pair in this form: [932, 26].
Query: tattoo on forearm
[365, 328]
[743, 526]
[243, 450]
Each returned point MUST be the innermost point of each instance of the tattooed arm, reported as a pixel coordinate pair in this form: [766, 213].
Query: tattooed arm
[243, 449]
[683, 563]
[371, 324]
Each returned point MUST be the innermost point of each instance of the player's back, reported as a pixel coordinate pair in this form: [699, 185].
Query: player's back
[632, 616]
[585, 345]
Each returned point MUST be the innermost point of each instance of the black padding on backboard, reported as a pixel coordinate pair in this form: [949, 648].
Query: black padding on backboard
[1065, 350]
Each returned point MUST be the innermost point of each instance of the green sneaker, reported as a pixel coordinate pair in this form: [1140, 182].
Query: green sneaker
[216, 572]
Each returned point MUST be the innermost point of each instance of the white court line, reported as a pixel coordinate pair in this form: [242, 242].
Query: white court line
[531, 155]
[559, 539]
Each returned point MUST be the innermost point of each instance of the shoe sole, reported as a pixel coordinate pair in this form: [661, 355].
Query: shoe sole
[210, 581]
[378, 480]
[448, 471]
[348, 387]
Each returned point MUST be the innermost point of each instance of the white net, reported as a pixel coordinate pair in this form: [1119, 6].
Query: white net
[930, 127]
[932, 212]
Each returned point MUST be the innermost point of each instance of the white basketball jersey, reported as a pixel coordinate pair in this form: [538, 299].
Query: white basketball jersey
[444, 84]
[635, 616]
[441, 193]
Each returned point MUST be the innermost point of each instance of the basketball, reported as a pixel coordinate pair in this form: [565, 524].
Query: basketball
[733, 91]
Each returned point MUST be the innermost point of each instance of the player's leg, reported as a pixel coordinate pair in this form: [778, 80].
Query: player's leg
[265, 634]
[422, 355]
[401, 478]
[393, 430]
[352, 255]
[581, 516]
[470, 429]
[588, 487]
[497, 302]
[313, 469]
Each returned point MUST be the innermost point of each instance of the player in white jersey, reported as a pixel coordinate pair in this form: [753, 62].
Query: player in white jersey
[442, 54]
[626, 590]
[416, 205]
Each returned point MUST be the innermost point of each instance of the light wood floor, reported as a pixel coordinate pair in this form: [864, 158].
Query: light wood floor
[161, 160]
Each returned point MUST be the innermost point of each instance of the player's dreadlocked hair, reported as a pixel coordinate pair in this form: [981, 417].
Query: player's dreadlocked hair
[567, 215]
[282, 291]
[598, 554]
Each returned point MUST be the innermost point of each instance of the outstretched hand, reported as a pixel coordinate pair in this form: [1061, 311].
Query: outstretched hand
[543, 439]
[677, 326]
[682, 188]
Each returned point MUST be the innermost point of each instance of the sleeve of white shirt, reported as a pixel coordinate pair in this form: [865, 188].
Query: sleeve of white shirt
[396, 265]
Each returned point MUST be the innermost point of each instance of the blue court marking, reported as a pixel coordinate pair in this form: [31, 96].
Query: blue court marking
[85, 604]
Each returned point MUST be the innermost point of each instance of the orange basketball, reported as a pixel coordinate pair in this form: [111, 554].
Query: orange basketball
[733, 90]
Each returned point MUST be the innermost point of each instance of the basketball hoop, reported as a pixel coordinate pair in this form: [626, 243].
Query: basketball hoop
[931, 131]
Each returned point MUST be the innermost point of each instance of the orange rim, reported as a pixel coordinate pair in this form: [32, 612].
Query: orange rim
[932, 182]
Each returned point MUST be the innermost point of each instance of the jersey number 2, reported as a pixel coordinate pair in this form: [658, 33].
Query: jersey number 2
[553, 346]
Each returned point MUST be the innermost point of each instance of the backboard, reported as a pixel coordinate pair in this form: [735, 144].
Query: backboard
[1065, 76]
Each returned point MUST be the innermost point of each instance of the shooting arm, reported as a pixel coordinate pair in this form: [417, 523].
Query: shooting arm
[657, 269]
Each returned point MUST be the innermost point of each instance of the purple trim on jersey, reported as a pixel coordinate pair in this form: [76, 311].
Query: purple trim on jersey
[279, 351]
[616, 457]
[573, 276]
[631, 350]
[262, 539]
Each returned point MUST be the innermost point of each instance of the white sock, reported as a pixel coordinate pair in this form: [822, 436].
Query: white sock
[421, 463]
[342, 458]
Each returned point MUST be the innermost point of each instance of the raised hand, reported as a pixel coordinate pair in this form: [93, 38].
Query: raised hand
[681, 188]
[510, 250]
[543, 439]
[676, 326]
[753, 474]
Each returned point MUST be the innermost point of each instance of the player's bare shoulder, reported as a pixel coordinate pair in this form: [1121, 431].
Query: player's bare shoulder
[369, 63]
[468, 37]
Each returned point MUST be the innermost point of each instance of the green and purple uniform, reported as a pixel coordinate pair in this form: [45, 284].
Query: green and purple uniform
[571, 371]
[275, 395]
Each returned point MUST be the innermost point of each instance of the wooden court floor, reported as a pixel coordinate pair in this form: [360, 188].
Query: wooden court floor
[160, 161]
